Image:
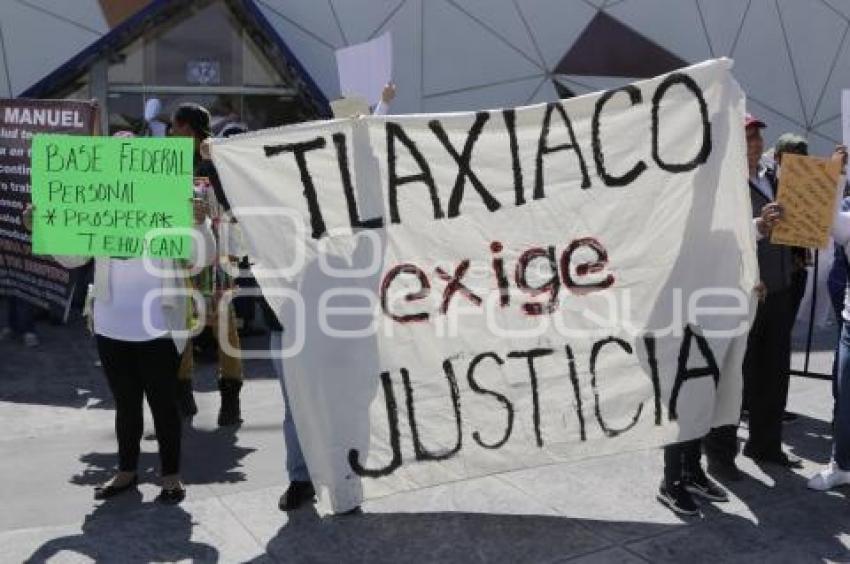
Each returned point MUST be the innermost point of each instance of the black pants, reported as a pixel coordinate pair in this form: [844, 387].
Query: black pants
[799, 278]
[721, 444]
[767, 371]
[767, 374]
[136, 370]
[681, 459]
[244, 306]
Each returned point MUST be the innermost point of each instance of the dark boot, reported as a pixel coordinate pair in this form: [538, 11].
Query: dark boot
[229, 414]
[186, 399]
[297, 494]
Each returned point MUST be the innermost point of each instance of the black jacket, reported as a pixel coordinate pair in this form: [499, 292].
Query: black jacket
[207, 169]
[776, 262]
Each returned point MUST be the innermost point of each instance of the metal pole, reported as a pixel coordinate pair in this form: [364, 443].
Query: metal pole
[99, 89]
[811, 315]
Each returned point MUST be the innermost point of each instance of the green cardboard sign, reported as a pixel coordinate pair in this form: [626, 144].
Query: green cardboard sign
[112, 196]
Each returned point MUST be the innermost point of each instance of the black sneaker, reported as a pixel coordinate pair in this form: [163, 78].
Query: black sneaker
[230, 412]
[700, 485]
[777, 458]
[171, 496]
[297, 494]
[677, 499]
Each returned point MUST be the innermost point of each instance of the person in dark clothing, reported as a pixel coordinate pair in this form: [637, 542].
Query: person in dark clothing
[192, 120]
[767, 362]
[793, 144]
[245, 306]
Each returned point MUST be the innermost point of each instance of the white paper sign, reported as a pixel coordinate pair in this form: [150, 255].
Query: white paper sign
[365, 68]
[472, 293]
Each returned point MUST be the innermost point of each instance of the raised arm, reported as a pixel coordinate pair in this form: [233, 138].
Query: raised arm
[382, 108]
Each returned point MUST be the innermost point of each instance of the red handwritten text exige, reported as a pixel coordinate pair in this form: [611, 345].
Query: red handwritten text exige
[581, 267]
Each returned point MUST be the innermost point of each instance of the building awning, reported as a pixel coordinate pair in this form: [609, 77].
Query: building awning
[156, 13]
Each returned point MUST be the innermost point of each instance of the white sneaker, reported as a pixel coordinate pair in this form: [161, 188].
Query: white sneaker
[31, 340]
[6, 333]
[829, 477]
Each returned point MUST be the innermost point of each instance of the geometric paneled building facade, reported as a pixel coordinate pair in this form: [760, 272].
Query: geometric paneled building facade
[792, 57]
[223, 54]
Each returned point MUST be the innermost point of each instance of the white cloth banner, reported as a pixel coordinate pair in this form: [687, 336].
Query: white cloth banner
[471, 293]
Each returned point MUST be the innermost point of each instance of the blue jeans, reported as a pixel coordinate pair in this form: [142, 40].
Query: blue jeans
[836, 296]
[841, 391]
[296, 466]
[20, 316]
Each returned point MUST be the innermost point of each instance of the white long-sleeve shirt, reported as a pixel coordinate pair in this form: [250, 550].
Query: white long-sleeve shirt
[381, 109]
[762, 184]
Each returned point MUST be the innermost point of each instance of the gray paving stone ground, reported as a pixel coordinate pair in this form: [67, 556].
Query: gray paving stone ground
[57, 442]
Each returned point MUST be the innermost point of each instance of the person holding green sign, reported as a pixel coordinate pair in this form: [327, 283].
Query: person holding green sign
[140, 320]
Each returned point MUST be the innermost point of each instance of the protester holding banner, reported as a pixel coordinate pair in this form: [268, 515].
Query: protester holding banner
[767, 362]
[837, 472]
[300, 489]
[192, 120]
[791, 143]
[139, 343]
[409, 393]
